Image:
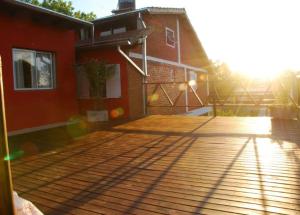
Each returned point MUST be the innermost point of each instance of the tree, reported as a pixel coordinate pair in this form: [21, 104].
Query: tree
[63, 6]
[85, 16]
[223, 79]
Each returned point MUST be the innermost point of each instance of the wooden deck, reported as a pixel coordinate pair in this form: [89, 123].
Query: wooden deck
[170, 165]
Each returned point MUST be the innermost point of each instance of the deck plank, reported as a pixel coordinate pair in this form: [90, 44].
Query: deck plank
[170, 165]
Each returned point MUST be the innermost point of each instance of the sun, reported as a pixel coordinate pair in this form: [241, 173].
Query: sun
[265, 67]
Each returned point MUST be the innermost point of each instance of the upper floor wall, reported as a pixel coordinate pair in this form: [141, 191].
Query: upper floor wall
[173, 39]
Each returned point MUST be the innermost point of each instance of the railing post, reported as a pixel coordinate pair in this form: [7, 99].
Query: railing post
[6, 196]
[212, 91]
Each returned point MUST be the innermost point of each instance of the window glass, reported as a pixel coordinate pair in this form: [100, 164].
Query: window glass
[119, 30]
[113, 84]
[170, 37]
[44, 70]
[193, 80]
[105, 33]
[33, 70]
[24, 64]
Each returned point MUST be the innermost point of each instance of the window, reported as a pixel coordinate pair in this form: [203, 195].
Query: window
[193, 80]
[105, 33]
[84, 34]
[119, 30]
[113, 84]
[170, 37]
[33, 69]
[112, 88]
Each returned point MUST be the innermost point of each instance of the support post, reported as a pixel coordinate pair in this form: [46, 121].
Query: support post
[212, 90]
[6, 196]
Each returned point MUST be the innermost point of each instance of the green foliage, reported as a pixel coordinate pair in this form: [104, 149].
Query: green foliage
[35, 2]
[63, 6]
[224, 80]
[85, 16]
[238, 111]
[97, 72]
[284, 87]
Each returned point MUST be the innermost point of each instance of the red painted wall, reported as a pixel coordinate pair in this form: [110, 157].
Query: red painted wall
[110, 56]
[26, 109]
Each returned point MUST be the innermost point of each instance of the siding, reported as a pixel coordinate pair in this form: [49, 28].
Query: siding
[26, 109]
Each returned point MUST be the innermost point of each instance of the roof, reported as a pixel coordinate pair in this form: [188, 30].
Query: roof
[45, 11]
[150, 10]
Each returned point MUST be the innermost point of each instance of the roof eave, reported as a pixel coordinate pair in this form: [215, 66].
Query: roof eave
[48, 12]
[150, 10]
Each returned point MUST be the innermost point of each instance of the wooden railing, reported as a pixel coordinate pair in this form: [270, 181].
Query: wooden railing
[238, 94]
[174, 102]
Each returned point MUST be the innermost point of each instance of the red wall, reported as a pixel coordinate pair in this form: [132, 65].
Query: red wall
[26, 109]
[110, 56]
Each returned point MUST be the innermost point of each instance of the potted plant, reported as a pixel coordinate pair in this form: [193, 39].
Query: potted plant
[97, 72]
[285, 108]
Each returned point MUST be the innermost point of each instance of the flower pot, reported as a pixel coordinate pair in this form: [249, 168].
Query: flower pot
[97, 116]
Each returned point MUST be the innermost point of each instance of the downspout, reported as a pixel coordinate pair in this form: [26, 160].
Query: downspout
[131, 61]
[178, 42]
[93, 34]
[145, 67]
[186, 91]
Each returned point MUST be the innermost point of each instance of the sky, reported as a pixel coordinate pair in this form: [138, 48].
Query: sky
[258, 37]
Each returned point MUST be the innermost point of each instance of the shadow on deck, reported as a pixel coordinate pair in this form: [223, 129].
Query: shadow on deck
[170, 165]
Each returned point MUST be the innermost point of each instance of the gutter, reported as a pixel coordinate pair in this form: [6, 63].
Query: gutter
[143, 71]
[39, 9]
[145, 67]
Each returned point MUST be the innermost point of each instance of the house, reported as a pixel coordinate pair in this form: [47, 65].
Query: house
[151, 47]
[38, 58]
[41, 48]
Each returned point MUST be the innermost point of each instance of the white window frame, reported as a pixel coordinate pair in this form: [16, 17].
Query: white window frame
[173, 32]
[53, 75]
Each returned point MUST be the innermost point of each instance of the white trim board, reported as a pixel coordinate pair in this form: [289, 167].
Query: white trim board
[39, 128]
[178, 42]
[173, 63]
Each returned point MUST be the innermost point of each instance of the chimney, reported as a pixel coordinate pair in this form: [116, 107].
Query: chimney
[125, 6]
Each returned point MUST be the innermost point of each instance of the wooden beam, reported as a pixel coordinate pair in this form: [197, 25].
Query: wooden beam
[6, 196]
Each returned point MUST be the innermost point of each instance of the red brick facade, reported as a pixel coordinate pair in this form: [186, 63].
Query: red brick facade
[178, 65]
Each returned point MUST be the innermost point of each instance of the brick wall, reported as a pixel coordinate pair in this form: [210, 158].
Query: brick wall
[164, 73]
[201, 91]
